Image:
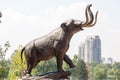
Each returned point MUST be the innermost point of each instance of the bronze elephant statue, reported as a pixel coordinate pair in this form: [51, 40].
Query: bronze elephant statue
[56, 43]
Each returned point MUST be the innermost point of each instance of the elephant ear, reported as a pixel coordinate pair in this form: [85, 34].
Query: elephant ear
[63, 25]
[67, 23]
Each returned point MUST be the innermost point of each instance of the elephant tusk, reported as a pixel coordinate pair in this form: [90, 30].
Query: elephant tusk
[86, 15]
[94, 20]
[89, 17]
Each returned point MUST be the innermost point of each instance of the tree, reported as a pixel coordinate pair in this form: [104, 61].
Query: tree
[116, 69]
[106, 71]
[116, 65]
[100, 74]
[117, 74]
[46, 66]
[80, 72]
[91, 71]
[4, 69]
[3, 50]
[110, 74]
[100, 71]
[16, 68]
[4, 64]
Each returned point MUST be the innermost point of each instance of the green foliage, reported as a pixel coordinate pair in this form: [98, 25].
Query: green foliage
[4, 69]
[110, 74]
[80, 71]
[117, 74]
[4, 64]
[116, 65]
[3, 50]
[100, 74]
[100, 71]
[46, 66]
[106, 71]
[16, 68]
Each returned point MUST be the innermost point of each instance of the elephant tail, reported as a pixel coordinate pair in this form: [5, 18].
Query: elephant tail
[22, 53]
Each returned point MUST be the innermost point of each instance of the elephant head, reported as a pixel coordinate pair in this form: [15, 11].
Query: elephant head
[74, 26]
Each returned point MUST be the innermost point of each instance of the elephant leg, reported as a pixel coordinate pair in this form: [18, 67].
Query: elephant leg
[60, 63]
[30, 69]
[32, 60]
[31, 65]
[26, 71]
[28, 62]
[69, 61]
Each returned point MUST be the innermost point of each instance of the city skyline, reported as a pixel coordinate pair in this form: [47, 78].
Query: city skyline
[90, 50]
[81, 52]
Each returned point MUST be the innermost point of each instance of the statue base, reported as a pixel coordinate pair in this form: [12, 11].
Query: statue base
[50, 76]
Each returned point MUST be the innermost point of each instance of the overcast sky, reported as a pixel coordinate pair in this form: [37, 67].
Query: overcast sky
[25, 20]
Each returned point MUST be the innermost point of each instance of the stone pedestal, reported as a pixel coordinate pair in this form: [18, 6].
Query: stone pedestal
[50, 76]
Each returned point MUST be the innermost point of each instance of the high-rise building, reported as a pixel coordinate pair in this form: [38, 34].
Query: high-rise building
[90, 51]
[81, 50]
